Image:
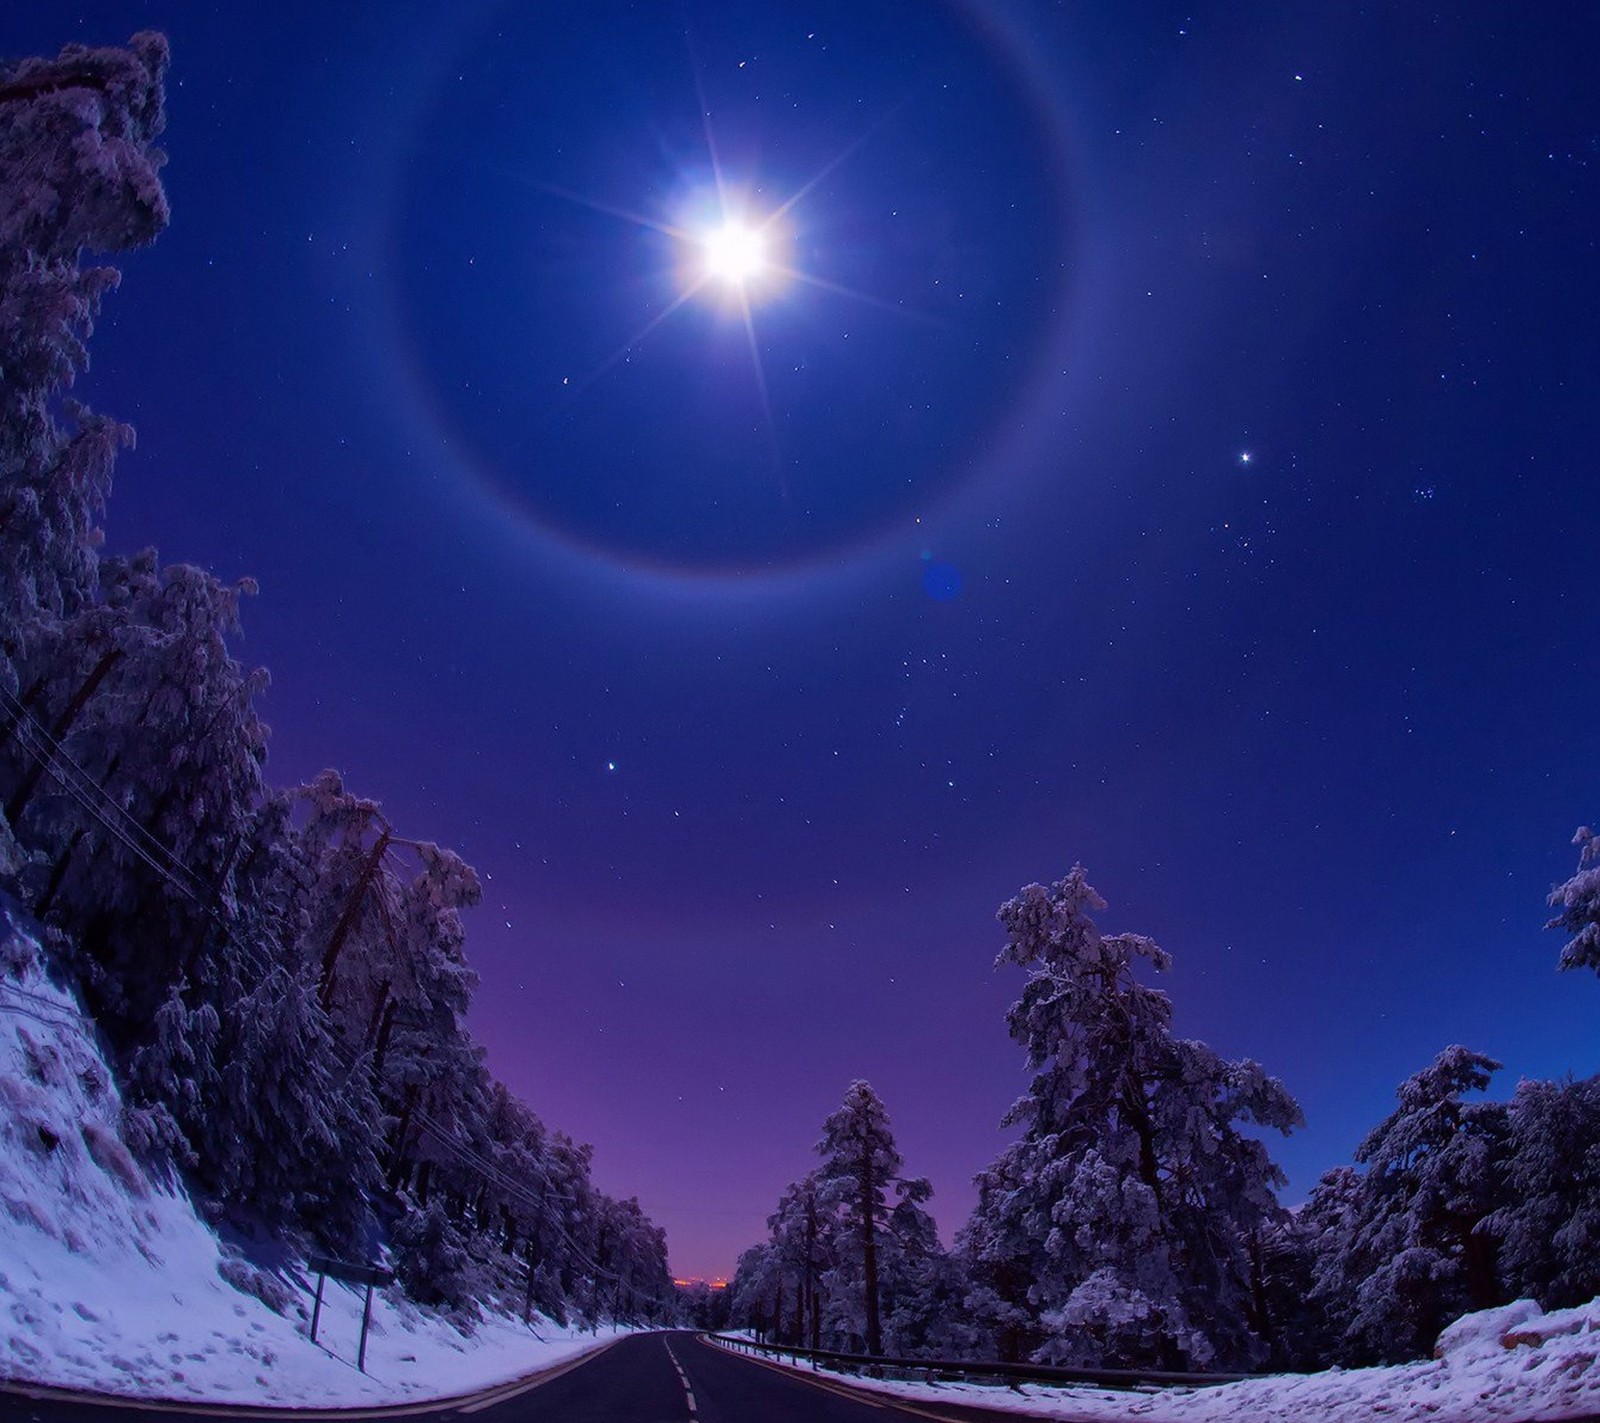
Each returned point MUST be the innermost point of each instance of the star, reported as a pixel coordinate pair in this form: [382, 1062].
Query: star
[735, 254]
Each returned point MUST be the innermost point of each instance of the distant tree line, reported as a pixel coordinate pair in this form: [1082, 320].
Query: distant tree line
[1135, 1220]
[280, 974]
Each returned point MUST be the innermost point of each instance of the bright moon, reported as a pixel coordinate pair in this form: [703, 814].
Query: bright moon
[735, 253]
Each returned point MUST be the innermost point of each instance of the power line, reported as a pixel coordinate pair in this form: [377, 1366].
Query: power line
[84, 789]
[114, 818]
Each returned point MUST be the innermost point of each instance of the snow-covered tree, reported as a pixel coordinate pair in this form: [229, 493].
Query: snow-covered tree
[802, 1239]
[174, 745]
[434, 1262]
[79, 168]
[284, 979]
[860, 1163]
[1579, 903]
[1548, 1219]
[1409, 1247]
[924, 1286]
[757, 1289]
[1119, 1225]
[632, 1256]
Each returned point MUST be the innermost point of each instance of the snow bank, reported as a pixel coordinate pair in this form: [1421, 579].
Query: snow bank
[110, 1281]
[1515, 1364]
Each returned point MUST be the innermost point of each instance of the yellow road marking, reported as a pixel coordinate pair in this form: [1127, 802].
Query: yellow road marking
[843, 1390]
[463, 1403]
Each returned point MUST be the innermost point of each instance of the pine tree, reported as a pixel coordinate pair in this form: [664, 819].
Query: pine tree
[860, 1163]
[79, 166]
[1119, 1225]
[172, 737]
[1579, 902]
[1412, 1248]
[287, 1003]
[924, 1287]
[756, 1289]
[1548, 1217]
[802, 1238]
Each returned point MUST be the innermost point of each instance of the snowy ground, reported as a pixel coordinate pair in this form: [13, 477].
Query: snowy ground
[109, 1282]
[1510, 1364]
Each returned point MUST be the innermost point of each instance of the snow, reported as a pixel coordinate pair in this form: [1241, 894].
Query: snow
[1515, 1363]
[112, 1282]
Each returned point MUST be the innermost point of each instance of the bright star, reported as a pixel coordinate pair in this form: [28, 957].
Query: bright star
[735, 254]
[1244, 457]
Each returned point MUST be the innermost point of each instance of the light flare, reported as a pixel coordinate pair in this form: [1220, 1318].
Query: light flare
[736, 253]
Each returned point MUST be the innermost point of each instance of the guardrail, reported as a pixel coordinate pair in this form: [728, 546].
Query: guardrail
[949, 1370]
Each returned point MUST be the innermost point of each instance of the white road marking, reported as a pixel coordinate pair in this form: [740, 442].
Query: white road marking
[683, 1378]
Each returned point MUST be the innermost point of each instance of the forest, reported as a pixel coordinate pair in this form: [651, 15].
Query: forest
[280, 975]
[1136, 1221]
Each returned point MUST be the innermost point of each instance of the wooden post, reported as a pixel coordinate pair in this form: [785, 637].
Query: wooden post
[316, 1308]
[366, 1319]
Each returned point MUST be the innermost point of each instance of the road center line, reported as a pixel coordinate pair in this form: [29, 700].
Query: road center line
[683, 1378]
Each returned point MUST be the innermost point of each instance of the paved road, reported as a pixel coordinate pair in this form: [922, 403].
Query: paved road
[646, 1378]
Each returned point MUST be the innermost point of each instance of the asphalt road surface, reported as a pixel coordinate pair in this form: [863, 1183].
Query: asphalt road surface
[645, 1378]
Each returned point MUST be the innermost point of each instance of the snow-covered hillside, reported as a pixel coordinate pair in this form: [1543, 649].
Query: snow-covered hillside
[1514, 1364]
[110, 1281]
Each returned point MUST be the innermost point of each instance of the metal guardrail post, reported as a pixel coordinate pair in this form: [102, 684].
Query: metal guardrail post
[316, 1305]
[366, 1319]
[350, 1274]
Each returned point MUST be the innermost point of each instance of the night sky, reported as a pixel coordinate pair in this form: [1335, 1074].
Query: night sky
[1173, 450]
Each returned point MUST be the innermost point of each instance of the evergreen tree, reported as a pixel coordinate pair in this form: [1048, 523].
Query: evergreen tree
[924, 1287]
[757, 1290]
[802, 1238]
[79, 167]
[1119, 1224]
[1408, 1248]
[286, 1001]
[1548, 1217]
[1579, 902]
[860, 1163]
[172, 739]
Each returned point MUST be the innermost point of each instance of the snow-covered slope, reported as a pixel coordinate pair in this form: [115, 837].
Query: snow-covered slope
[110, 1281]
[1514, 1364]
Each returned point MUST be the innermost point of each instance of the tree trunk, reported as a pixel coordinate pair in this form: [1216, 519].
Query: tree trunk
[1137, 1110]
[1478, 1255]
[380, 1003]
[813, 1284]
[527, 1292]
[347, 919]
[57, 875]
[204, 935]
[1259, 1312]
[63, 724]
[869, 1258]
[397, 1165]
[385, 1029]
[26, 700]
